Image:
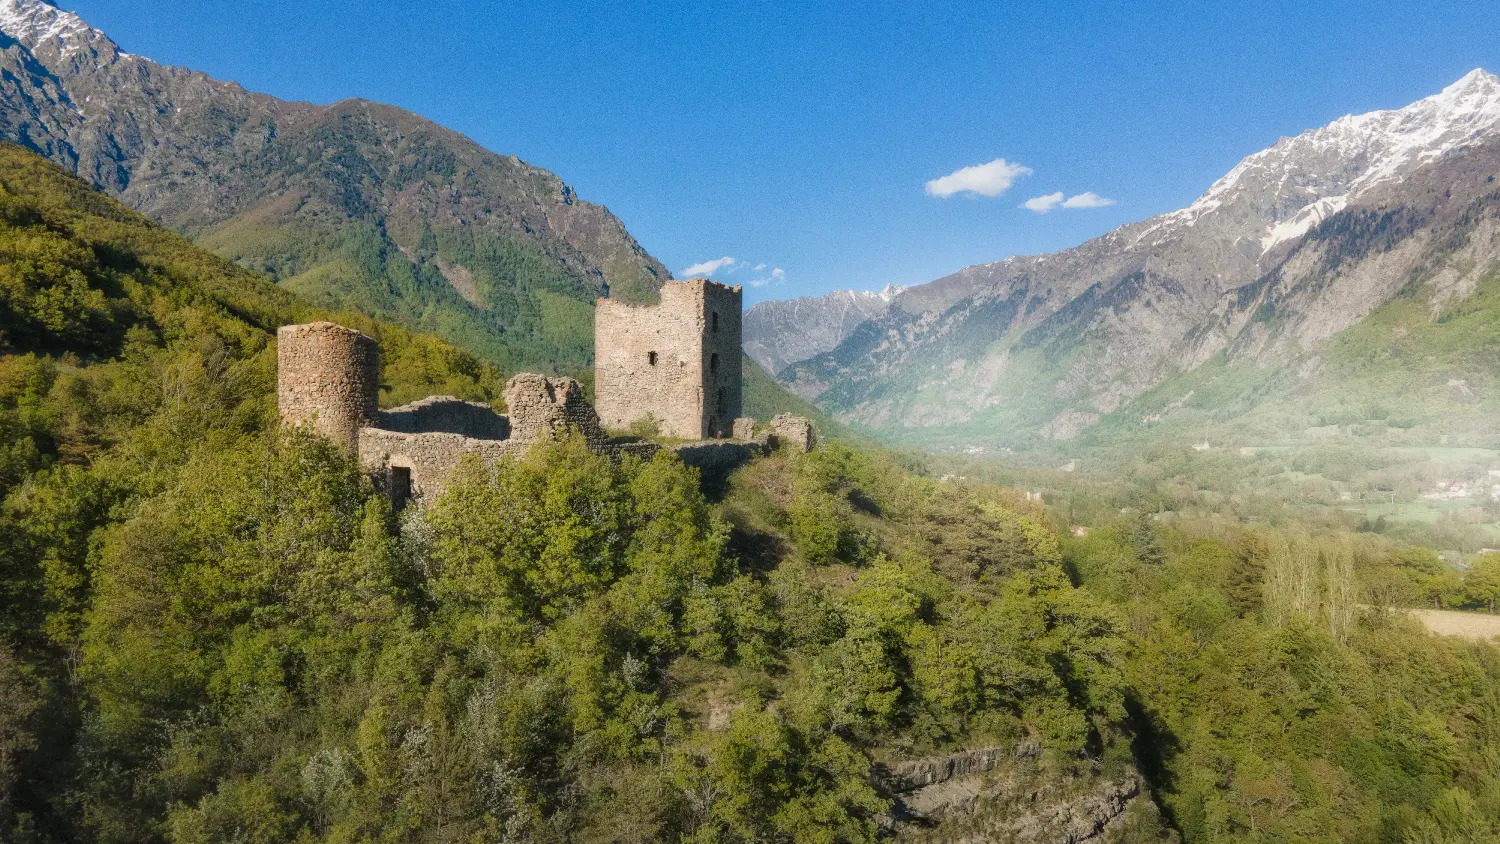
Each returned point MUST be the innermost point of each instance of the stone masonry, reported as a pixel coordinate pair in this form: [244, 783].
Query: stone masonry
[328, 378]
[413, 449]
[678, 362]
[543, 407]
[793, 431]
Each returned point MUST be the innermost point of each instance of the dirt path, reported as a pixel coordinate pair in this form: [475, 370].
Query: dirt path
[1469, 625]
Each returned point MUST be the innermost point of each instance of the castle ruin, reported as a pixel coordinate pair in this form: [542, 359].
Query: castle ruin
[677, 363]
[328, 376]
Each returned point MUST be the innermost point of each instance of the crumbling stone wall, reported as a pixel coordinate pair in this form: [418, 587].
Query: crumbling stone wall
[542, 407]
[678, 362]
[715, 459]
[327, 376]
[795, 432]
[446, 414]
[426, 440]
[744, 428]
[428, 459]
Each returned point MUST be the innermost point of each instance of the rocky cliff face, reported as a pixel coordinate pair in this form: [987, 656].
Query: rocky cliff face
[283, 186]
[1007, 794]
[1293, 245]
[779, 333]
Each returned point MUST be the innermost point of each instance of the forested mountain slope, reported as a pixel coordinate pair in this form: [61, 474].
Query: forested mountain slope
[212, 630]
[353, 204]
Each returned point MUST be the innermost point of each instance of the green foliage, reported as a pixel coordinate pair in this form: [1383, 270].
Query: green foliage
[264, 651]
[1300, 716]
[1482, 580]
[1424, 578]
[214, 630]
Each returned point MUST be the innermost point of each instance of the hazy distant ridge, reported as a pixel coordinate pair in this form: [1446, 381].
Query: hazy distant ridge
[782, 332]
[1295, 244]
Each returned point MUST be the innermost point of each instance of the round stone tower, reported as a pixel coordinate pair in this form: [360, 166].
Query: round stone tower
[327, 376]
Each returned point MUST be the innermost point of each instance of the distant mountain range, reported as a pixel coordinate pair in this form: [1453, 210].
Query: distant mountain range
[783, 331]
[353, 204]
[1295, 245]
[1373, 223]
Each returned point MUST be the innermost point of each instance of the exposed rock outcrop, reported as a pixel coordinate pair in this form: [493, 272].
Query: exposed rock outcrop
[1001, 794]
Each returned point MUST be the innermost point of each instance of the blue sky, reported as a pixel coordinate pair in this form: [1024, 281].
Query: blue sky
[802, 136]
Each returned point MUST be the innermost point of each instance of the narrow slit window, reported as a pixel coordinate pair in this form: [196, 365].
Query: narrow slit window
[713, 364]
[715, 322]
[651, 358]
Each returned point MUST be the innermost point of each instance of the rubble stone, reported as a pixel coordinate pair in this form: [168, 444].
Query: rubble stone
[795, 432]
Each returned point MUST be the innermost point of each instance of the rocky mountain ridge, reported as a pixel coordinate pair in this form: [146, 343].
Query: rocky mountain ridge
[1049, 344]
[355, 203]
[782, 332]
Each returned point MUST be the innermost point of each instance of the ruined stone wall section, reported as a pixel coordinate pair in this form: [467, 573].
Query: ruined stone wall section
[327, 376]
[542, 407]
[678, 361]
[446, 415]
[430, 458]
[795, 432]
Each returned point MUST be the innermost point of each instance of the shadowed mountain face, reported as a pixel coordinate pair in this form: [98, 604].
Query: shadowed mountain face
[1295, 245]
[355, 204]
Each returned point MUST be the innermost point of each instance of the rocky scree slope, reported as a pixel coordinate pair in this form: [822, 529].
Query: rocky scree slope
[1295, 244]
[354, 203]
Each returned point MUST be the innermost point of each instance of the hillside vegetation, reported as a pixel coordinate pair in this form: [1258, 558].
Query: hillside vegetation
[353, 204]
[214, 630]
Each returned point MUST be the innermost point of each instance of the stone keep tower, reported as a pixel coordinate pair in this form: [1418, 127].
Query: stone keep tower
[328, 376]
[678, 361]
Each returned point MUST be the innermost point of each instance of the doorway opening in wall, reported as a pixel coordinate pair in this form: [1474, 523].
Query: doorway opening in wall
[400, 487]
[651, 358]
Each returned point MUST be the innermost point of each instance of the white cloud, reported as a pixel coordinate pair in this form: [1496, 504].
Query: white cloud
[727, 265]
[990, 179]
[707, 268]
[1047, 202]
[1044, 203]
[1088, 199]
[776, 276]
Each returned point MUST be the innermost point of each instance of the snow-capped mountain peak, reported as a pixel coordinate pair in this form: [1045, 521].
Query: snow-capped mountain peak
[1423, 131]
[34, 23]
[1301, 180]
